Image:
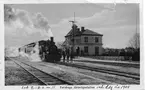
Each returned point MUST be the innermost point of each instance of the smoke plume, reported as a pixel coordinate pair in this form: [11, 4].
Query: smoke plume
[21, 25]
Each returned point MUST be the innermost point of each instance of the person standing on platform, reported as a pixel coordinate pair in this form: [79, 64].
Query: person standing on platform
[67, 54]
[78, 51]
[64, 55]
[71, 55]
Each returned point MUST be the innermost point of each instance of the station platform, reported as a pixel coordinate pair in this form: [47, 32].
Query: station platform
[112, 62]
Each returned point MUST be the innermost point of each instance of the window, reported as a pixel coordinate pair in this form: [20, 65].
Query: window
[77, 41]
[86, 49]
[96, 39]
[85, 39]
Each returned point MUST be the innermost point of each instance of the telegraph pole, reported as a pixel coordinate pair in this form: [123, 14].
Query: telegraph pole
[73, 28]
[73, 21]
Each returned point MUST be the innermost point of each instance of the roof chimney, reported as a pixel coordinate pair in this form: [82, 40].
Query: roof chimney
[82, 29]
[78, 29]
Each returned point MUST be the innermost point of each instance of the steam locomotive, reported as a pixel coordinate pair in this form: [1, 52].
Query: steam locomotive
[47, 50]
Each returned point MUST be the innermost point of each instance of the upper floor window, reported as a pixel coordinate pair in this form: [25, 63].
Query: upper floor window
[78, 41]
[85, 39]
[96, 39]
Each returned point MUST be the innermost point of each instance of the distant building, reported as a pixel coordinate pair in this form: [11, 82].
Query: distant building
[86, 42]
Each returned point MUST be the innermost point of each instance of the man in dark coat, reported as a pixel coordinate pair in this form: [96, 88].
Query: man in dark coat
[71, 55]
[64, 55]
[67, 54]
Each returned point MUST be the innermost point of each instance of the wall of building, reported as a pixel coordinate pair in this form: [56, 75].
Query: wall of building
[100, 50]
[91, 49]
[79, 42]
[91, 39]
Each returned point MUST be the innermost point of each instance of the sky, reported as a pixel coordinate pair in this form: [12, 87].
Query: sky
[33, 22]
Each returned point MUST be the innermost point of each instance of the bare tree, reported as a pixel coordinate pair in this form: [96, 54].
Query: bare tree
[134, 42]
[59, 45]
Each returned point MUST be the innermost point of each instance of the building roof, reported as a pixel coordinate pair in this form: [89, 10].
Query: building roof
[85, 32]
[76, 33]
[90, 32]
[64, 43]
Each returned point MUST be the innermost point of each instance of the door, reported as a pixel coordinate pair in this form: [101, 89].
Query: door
[96, 50]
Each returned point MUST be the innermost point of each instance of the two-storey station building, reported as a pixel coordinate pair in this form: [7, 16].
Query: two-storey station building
[84, 41]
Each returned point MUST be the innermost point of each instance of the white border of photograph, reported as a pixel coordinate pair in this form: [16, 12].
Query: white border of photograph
[2, 69]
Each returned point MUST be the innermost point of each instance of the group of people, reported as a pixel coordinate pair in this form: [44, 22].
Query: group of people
[67, 55]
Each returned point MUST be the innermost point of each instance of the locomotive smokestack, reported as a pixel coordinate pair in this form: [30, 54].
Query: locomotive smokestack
[51, 39]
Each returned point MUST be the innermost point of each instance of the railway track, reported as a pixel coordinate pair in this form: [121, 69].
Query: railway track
[114, 72]
[112, 63]
[43, 77]
[103, 70]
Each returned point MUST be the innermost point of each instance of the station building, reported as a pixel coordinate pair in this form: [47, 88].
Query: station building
[84, 41]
